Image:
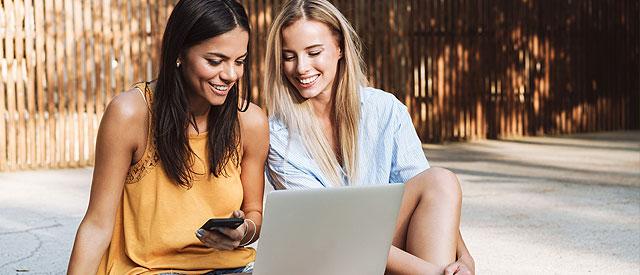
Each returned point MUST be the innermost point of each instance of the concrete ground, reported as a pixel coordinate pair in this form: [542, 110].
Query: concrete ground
[543, 205]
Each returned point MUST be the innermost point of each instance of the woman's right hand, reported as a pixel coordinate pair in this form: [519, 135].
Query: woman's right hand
[224, 238]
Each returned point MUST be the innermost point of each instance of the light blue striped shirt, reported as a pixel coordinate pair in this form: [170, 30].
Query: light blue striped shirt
[389, 148]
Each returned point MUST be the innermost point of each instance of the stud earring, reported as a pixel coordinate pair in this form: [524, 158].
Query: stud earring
[178, 64]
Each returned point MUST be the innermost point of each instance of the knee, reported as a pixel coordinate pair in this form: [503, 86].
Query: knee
[439, 184]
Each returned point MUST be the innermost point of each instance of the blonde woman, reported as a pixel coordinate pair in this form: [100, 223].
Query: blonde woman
[328, 129]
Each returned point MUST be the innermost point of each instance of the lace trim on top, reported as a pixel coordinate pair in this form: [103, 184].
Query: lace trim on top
[150, 157]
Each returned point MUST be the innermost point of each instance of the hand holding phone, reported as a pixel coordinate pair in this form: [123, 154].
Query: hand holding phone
[232, 223]
[224, 233]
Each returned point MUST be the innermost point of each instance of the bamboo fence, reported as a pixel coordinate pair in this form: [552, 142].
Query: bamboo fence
[465, 69]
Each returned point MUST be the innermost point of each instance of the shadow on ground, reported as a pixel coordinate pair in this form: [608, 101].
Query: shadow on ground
[549, 205]
[538, 205]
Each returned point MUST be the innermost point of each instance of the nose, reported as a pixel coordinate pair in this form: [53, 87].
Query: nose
[229, 73]
[302, 65]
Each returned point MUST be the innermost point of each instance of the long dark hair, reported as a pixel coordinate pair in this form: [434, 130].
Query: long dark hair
[191, 22]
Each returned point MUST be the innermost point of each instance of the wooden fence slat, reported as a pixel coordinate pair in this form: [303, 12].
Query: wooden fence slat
[3, 109]
[105, 38]
[428, 46]
[117, 46]
[135, 38]
[259, 43]
[93, 108]
[69, 100]
[154, 9]
[145, 36]
[76, 93]
[21, 73]
[12, 156]
[88, 90]
[249, 8]
[126, 27]
[465, 69]
[50, 57]
[40, 78]
[30, 67]
[417, 64]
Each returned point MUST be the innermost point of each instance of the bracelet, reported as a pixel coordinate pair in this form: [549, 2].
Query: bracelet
[255, 228]
[246, 229]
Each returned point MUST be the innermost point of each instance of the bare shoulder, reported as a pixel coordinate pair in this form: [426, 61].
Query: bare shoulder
[128, 105]
[253, 120]
[126, 118]
[254, 128]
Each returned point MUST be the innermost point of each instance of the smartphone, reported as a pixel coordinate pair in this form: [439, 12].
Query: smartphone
[232, 223]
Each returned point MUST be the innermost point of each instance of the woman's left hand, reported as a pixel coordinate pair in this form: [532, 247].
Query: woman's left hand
[224, 238]
[463, 266]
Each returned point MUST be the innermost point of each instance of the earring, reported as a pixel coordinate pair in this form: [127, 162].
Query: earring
[178, 64]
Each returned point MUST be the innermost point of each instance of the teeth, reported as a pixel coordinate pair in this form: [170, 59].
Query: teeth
[308, 79]
[220, 87]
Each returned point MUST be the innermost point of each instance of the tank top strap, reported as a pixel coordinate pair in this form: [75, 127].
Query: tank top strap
[145, 92]
[150, 156]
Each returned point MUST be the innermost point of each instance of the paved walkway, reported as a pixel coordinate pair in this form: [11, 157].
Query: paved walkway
[553, 205]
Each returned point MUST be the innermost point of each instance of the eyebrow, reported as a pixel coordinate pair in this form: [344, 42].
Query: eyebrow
[307, 48]
[224, 56]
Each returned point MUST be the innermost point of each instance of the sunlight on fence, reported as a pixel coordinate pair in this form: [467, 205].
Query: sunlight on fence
[465, 69]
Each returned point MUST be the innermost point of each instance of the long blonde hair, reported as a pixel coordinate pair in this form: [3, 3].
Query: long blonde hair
[285, 103]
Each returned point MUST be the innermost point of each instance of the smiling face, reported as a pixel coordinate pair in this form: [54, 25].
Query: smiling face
[310, 54]
[213, 66]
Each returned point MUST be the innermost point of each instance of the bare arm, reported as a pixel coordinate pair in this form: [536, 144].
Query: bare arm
[115, 151]
[255, 142]
[254, 129]
[401, 262]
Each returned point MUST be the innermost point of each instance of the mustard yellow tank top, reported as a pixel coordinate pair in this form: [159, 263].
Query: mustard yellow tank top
[156, 221]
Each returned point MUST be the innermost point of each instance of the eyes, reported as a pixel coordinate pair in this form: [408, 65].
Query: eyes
[216, 62]
[288, 56]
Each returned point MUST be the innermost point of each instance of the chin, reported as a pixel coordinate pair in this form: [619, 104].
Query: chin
[217, 101]
[308, 94]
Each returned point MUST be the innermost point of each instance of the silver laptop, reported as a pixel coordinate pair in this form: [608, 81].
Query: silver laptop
[328, 231]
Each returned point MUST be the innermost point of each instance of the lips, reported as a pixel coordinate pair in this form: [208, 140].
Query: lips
[306, 82]
[221, 90]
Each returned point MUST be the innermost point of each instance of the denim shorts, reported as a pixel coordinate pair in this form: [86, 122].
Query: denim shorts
[248, 268]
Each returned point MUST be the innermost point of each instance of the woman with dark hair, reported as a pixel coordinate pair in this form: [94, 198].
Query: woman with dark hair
[172, 153]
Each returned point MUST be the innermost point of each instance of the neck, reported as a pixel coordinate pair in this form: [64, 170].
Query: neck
[322, 105]
[199, 110]
[199, 107]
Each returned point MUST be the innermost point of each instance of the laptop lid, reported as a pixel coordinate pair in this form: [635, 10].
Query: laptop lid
[346, 230]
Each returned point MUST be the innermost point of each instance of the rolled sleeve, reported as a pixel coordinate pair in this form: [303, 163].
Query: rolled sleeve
[408, 158]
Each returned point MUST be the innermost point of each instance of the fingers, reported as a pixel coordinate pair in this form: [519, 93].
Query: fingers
[457, 268]
[223, 238]
[451, 269]
[234, 234]
[463, 270]
[217, 240]
[238, 214]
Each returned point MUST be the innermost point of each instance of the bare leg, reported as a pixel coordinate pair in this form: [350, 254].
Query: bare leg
[427, 228]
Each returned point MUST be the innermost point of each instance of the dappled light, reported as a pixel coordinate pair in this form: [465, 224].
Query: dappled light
[483, 69]
[465, 69]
